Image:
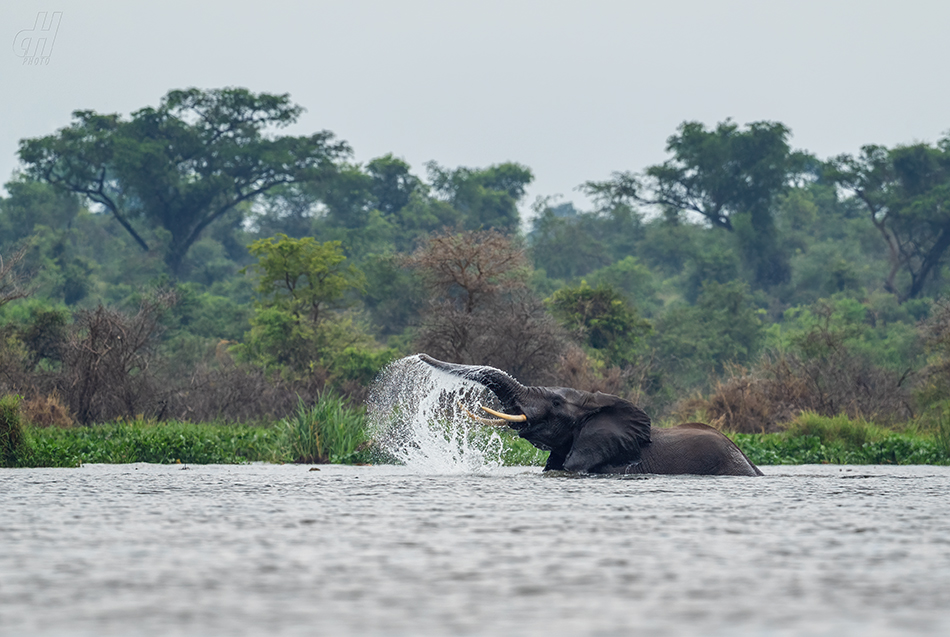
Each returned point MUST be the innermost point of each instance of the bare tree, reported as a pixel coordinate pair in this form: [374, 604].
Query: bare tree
[480, 310]
[14, 279]
[107, 362]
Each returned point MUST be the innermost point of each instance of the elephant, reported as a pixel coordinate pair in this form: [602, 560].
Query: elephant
[600, 433]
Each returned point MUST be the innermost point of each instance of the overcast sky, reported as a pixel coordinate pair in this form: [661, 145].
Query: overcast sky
[573, 90]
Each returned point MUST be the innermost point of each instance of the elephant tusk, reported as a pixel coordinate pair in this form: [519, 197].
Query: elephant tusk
[496, 422]
[507, 417]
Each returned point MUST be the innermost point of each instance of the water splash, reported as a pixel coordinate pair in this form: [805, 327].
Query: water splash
[416, 415]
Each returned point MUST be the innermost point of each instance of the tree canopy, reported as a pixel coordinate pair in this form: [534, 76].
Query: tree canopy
[730, 177]
[182, 165]
[906, 192]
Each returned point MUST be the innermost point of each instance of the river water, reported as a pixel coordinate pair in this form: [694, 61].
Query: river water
[385, 550]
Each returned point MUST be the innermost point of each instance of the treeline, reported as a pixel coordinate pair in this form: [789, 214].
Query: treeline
[189, 262]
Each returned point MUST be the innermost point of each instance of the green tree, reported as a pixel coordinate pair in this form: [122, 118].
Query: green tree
[693, 342]
[488, 197]
[906, 192]
[31, 204]
[602, 321]
[567, 244]
[182, 165]
[728, 176]
[294, 329]
[302, 277]
[392, 184]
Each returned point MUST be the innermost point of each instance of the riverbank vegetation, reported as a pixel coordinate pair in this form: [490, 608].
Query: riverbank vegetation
[332, 432]
[189, 264]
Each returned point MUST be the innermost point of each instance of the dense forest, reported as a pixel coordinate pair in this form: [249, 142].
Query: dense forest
[189, 261]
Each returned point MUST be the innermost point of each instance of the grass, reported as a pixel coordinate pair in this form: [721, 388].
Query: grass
[14, 441]
[327, 431]
[520, 452]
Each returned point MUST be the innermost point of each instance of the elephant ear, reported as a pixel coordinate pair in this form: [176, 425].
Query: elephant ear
[611, 436]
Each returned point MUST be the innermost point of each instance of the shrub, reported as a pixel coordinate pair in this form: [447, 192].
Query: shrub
[778, 389]
[46, 411]
[160, 442]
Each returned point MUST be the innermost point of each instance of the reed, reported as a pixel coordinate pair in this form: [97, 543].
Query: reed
[327, 431]
[14, 443]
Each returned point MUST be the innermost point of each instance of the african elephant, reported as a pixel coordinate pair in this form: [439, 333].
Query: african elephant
[600, 433]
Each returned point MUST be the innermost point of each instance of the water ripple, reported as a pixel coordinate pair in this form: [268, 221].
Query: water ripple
[273, 549]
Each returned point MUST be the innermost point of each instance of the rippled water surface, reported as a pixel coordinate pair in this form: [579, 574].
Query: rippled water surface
[268, 549]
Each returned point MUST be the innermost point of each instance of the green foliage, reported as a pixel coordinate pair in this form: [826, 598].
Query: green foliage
[487, 197]
[809, 243]
[602, 320]
[14, 444]
[31, 204]
[293, 329]
[302, 277]
[634, 280]
[182, 165]
[518, 452]
[166, 443]
[723, 327]
[730, 177]
[906, 193]
[567, 244]
[814, 439]
[877, 329]
[328, 431]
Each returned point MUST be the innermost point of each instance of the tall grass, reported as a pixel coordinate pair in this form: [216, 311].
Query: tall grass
[327, 431]
[13, 439]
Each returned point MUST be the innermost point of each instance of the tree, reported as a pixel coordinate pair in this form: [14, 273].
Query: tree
[184, 164]
[302, 277]
[14, 281]
[480, 311]
[906, 192]
[392, 184]
[300, 282]
[695, 341]
[488, 198]
[33, 204]
[567, 244]
[601, 320]
[728, 176]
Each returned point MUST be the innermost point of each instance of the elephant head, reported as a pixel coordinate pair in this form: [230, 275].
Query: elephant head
[585, 432]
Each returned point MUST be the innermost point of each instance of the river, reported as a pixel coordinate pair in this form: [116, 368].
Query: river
[384, 550]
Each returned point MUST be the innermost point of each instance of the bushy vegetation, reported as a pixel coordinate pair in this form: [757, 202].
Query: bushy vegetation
[741, 281]
[814, 439]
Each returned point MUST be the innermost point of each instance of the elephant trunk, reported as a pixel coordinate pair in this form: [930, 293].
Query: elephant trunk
[506, 388]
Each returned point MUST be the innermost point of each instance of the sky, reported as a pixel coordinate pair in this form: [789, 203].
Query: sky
[573, 90]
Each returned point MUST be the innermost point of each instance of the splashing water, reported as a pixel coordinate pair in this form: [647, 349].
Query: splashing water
[417, 415]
